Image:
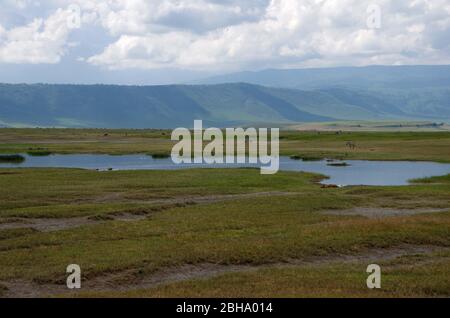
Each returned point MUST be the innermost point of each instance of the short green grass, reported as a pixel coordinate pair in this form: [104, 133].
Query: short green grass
[409, 276]
[11, 159]
[259, 230]
[72, 192]
[283, 220]
[434, 146]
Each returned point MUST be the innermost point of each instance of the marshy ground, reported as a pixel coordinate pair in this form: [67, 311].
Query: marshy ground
[431, 146]
[221, 233]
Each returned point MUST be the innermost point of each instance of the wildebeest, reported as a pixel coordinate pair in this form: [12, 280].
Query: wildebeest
[351, 144]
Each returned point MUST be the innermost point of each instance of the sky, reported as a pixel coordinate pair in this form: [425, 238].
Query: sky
[176, 41]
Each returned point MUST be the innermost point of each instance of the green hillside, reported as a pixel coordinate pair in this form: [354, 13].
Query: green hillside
[108, 106]
[144, 106]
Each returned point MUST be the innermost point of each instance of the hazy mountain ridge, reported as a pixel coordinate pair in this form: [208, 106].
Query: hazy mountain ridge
[369, 77]
[423, 96]
[143, 106]
[417, 92]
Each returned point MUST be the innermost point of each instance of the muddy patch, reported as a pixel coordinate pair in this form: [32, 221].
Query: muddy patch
[133, 279]
[48, 225]
[374, 213]
[58, 224]
[51, 225]
[122, 197]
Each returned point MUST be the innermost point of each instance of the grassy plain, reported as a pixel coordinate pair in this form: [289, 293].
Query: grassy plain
[433, 146]
[212, 232]
[405, 276]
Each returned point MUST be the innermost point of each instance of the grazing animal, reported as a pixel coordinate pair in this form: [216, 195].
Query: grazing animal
[351, 145]
[329, 186]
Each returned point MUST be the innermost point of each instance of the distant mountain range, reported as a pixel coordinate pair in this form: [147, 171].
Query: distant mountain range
[266, 97]
[369, 77]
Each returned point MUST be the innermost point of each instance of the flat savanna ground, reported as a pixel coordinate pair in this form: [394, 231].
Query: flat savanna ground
[434, 146]
[221, 233]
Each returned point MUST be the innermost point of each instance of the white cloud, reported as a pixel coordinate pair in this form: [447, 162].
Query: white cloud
[40, 41]
[287, 32]
[235, 34]
[140, 17]
[151, 51]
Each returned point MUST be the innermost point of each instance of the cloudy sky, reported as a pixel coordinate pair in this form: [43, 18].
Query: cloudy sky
[165, 41]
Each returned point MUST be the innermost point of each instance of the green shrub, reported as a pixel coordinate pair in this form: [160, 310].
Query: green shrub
[11, 159]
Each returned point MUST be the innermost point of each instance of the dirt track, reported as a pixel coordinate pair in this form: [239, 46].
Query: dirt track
[132, 280]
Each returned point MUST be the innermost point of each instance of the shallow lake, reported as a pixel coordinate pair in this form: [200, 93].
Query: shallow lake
[358, 172]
